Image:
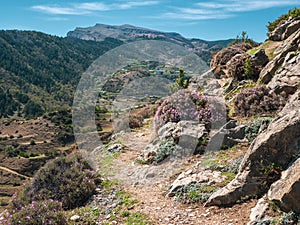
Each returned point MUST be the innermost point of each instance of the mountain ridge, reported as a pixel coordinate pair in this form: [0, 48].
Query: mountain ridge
[128, 33]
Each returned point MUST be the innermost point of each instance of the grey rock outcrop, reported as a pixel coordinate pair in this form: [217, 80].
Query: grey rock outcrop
[286, 191]
[276, 34]
[259, 59]
[258, 213]
[291, 44]
[189, 177]
[285, 29]
[231, 133]
[291, 28]
[287, 79]
[273, 150]
[186, 135]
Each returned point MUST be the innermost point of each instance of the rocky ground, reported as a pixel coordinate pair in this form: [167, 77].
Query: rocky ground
[149, 184]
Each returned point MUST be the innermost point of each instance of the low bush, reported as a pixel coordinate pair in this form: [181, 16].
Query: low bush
[10, 151]
[37, 213]
[183, 105]
[257, 101]
[137, 116]
[194, 193]
[165, 149]
[69, 180]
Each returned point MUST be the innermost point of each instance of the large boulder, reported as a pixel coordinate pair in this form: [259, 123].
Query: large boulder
[231, 134]
[236, 66]
[272, 151]
[186, 137]
[192, 176]
[286, 191]
[287, 78]
[277, 33]
[259, 59]
[291, 28]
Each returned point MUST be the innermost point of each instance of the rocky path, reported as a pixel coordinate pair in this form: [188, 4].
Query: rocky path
[148, 184]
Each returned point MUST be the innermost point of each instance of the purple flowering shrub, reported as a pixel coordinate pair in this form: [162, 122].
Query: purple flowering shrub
[183, 105]
[69, 180]
[36, 213]
[257, 101]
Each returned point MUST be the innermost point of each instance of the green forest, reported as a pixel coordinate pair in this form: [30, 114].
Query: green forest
[39, 72]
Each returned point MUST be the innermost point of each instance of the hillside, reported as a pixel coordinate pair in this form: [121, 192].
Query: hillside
[128, 33]
[39, 72]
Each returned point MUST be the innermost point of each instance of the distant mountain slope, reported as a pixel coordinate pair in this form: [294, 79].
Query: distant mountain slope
[39, 72]
[44, 69]
[129, 33]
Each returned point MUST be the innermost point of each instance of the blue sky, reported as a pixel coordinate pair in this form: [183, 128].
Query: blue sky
[208, 19]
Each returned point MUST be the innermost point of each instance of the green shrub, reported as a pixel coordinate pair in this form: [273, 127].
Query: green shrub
[182, 81]
[194, 193]
[290, 218]
[10, 151]
[66, 135]
[165, 149]
[69, 180]
[37, 213]
[251, 131]
[248, 68]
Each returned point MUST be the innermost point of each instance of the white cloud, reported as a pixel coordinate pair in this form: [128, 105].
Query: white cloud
[188, 16]
[244, 6]
[88, 7]
[93, 6]
[129, 5]
[58, 10]
[57, 19]
[222, 9]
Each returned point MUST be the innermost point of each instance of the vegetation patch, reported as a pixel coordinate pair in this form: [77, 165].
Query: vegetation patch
[165, 149]
[37, 213]
[257, 101]
[183, 105]
[194, 193]
[69, 180]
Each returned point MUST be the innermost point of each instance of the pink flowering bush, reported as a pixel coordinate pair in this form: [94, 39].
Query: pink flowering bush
[183, 105]
[37, 213]
[257, 101]
[69, 180]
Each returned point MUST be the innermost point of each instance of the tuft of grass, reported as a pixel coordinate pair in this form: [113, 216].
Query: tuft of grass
[137, 218]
